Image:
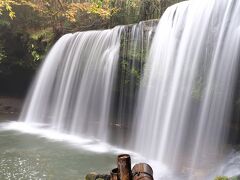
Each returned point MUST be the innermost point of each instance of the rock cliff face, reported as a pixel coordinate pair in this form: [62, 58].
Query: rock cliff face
[10, 108]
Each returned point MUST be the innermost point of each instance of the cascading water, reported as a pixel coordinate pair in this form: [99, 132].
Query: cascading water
[88, 84]
[185, 99]
[76, 88]
[135, 44]
[73, 90]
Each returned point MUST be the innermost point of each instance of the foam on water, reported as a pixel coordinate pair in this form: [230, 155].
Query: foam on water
[230, 167]
[91, 145]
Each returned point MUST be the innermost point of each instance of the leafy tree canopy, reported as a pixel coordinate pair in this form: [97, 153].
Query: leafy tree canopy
[7, 6]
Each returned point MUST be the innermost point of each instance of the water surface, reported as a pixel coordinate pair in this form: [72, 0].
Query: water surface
[26, 156]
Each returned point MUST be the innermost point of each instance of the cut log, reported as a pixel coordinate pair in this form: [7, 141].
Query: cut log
[142, 171]
[124, 167]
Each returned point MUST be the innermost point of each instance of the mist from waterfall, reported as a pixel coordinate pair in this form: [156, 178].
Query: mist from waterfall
[186, 95]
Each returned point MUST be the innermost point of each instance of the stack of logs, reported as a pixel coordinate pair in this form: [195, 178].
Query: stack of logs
[140, 171]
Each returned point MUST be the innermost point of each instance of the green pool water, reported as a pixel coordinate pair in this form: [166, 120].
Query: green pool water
[28, 153]
[30, 157]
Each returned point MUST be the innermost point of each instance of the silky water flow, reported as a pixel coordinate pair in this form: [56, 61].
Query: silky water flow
[186, 93]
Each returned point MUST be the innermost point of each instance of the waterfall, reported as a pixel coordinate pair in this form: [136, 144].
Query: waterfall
[135, 44]
[73, 90]
[186, 95]
[80, 87]
[91, 85]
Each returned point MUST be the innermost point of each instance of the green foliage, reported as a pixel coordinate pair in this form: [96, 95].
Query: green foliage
[64, 16]
[221, 178]
[28, 28]
[45, 35]
[2, 53]
[4, 22]
[131, 73]
[19, 50]
[6, 5]
[35, 54]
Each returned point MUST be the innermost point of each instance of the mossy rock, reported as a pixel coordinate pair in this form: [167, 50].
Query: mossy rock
[227, 178]
[91, 176]
[221, 178]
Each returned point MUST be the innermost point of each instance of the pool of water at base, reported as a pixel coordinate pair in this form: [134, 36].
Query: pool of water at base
[24, 157]
[29, 153]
